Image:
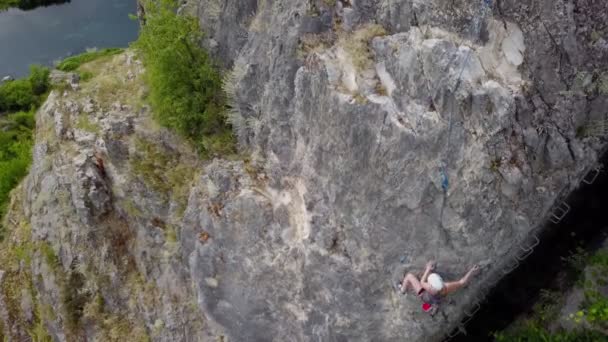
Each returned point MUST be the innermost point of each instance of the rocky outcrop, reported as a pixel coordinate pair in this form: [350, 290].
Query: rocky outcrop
[353, 115]
[101, 225]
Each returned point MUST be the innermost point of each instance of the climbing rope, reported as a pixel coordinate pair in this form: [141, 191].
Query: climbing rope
[475, 26]
[478, 19]
[444, 164]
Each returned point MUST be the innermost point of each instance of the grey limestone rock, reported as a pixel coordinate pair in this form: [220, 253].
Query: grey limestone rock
[353, 137]
[349, 111]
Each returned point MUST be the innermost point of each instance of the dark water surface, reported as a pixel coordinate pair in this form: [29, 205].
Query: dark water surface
[48, 34]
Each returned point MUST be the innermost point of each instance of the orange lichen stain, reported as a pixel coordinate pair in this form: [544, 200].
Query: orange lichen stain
[203, 237]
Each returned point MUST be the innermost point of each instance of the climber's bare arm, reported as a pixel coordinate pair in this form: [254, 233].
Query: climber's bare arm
[456, 285]
[430, 266]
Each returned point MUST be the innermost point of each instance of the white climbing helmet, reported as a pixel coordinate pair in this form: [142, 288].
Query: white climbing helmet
[435, 281]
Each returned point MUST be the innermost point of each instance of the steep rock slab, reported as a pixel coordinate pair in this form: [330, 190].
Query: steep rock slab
[352, 124]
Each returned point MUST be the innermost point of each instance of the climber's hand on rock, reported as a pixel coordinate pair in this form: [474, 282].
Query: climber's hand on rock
[475, 269]
[431, 265]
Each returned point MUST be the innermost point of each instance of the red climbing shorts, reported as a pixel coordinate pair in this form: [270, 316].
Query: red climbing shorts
[427, 300]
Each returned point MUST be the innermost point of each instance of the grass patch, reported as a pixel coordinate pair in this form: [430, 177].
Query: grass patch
[171, 234]
[356, 44]
[162, 171]
[85, 124]
[594, 128]
[85, 76]
[49, 255]
[38, 331]
[116, 328]
[107, 81]
[131, 209]
[311, 43]
[185, 83]
[73, 63]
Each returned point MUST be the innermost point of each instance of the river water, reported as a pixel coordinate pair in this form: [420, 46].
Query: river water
[48, 34]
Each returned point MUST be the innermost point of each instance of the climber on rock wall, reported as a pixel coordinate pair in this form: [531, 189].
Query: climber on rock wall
[431, 288]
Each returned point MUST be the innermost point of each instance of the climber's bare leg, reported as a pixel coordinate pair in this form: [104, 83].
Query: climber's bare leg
[410, 281]
[457, 285]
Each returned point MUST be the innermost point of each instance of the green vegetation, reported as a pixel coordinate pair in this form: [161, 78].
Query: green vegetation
[185, 84]
[16, 140]
[162, 171]
[85, 76]
[85, 124]
[356, 44]
[16, 130]
[15, 252]
[27, 93]
[594, 309]
[50, 257]
[591, 273]
[532, 333]
[73, 63]
[28, 4]
[107, 80]
[5, 4]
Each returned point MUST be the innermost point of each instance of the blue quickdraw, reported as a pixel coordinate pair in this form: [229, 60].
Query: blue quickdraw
[445, 182]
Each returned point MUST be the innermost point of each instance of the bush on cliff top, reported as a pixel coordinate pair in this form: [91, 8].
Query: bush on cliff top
[27, 93]
[185, 85]
[72, 63]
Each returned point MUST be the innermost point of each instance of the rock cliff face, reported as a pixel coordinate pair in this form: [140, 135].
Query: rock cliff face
[353, 108]
[349, 111]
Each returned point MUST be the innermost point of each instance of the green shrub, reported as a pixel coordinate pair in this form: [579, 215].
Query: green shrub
[185, 85]
[161, 170]
[589, 271]
[85, 76]
[25, 121]
[72, 63]
[27, 4]
[597, 312]
[532, 333]
[39, 79]
[25, 94]
[16, 130]
[17, 95]
[15, 154]
[5, 4]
